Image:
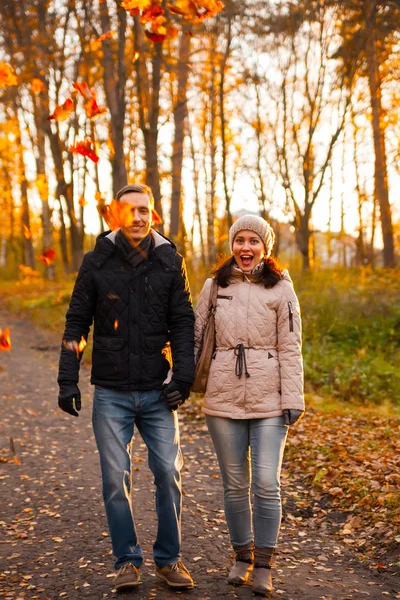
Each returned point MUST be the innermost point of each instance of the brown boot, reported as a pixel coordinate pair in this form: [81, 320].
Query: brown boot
[262, 578]
[239, 573]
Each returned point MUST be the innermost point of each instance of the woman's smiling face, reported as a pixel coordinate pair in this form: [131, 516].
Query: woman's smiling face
[248, 250]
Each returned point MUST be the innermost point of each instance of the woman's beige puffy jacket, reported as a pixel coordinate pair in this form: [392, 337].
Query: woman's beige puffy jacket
[258, 332]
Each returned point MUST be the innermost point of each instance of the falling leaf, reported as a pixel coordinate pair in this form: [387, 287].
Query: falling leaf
[116, 324]
[85, 148]
[135, 56]
[48, 256]
[5, 340]
[117, 214]
[93, 109]
[62, 111]
[27, 233]
[83, 88]
[106, 36]
[28, 271]
[82, 202]
[156, 36]
[196, 10]
[155, 217]
[75, 346]
[37, 85]
[134, 6]
[153, 14]
[7, 75]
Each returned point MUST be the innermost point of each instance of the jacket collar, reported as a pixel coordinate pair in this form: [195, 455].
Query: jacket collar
[164, 250]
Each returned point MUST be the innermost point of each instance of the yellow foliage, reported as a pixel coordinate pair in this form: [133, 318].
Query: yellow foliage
[7, 75]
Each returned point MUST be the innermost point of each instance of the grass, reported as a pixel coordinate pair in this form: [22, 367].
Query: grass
[351, 329]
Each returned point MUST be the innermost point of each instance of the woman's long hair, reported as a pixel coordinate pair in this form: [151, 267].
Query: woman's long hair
[269, 275]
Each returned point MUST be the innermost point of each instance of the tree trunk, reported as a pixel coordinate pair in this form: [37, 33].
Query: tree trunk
[381, 177]
[213, 151]
[223, 124]
[149, 110]
[114, 73]
[180, 113]
[29, 256]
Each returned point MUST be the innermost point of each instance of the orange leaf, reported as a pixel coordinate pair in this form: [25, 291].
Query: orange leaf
[116, 324]
[48, 256]
[5, 340]
[151, 14]
[136, 5]
[85, 148]
[156, 36]
[62, 111]
[74, 346]
[83, 89]
[117, 214]
[37, 85]
[27, 233]
[28, 271]
[155, 217]
[7, 75]
[196, 10]
[106, 36]
[82, 202]
[93, 109]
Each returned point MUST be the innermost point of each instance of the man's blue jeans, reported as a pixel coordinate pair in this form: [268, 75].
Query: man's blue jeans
[115, 413]
[250, 452]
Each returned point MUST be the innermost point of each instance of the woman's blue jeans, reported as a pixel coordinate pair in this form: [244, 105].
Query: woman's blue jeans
[250, 454]
[115, 413]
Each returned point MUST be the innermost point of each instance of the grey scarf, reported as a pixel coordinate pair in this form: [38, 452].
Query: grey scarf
[134, 254]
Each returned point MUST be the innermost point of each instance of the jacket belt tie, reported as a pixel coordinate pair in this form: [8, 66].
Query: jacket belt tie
[241, 360]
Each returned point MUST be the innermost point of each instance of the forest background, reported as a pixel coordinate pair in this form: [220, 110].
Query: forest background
[288, 109]
[285, 109]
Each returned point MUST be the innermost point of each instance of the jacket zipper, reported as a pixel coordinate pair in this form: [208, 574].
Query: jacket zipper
[225, 297]
[146, 292]
[290, 316]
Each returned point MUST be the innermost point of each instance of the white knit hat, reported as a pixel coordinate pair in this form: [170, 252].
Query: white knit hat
[256, 224]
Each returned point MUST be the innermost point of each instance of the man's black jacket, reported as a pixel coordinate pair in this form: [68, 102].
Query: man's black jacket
[136, 312]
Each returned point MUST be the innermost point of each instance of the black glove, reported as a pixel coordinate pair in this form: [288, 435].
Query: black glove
[291, 415]
[175, 393]
[69, 398]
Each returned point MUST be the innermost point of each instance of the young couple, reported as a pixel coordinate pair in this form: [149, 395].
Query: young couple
[134, 287]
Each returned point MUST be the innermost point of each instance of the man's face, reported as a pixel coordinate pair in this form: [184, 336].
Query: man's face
[139, 222]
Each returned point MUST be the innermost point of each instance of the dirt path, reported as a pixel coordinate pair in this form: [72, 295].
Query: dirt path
[53, 533]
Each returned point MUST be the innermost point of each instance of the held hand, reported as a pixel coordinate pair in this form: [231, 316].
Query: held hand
[69, 399]
[291, 415]
[175, 394]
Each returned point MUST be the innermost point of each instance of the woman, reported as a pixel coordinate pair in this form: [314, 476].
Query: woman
[254, 391]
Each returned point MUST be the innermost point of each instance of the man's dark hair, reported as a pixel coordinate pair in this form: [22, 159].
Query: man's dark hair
[136, 188]
[268, 276]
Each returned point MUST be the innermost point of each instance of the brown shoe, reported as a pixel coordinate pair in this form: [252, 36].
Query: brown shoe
[244, 557]
[262, 581]
[176, 575]
[127, 576]
[262, 578]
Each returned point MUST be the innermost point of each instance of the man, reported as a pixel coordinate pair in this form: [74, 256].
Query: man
[134, 286]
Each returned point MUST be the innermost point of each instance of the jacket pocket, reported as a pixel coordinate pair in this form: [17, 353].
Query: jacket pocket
[290, 307]
[156, 342]
[108, 343]
[107, 362]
